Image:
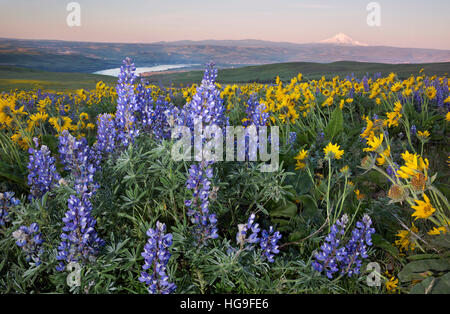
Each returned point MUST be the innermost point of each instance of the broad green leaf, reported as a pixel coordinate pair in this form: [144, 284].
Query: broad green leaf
[335, 125]
[418, 270]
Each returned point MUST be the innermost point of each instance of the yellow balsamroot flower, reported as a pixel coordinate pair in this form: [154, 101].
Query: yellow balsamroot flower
[405, 241]
[344, 169]
[333, 151]
[423, 135]
[396, 87]
[447, 100]
[447, 116]
[20, 140]
[394, 117]
[437, 231]
[374, 143]
[413, 164]
[43, 104]
[84, 116]
[302, 155]
[342, 103]
[36, 118]
[19, 112]
[368, 130]
[100, 85]
[392, 284]
[423, 209]
[359, 195]
[65, 125]
[328, 102]
[407, 92]
[382, 159]
[431, 92]
[6, 108]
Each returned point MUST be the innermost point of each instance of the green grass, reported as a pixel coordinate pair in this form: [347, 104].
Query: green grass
[286, 71]
[26, 79]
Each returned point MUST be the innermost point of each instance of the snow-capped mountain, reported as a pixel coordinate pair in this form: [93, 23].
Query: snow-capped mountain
[342, 39]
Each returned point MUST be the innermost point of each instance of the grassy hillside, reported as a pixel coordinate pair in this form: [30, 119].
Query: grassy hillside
[26, 79]
[268, 73]
[20, 78]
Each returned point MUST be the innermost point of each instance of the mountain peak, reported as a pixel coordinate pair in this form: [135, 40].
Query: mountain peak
[342, 39]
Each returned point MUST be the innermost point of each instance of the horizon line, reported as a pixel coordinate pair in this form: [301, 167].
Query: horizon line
[200, 40]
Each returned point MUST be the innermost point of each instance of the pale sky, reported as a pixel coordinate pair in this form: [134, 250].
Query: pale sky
[404, 23]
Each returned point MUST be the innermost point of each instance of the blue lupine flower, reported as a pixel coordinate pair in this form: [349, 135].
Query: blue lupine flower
[42, 171]
[242, 235]
[320, 135]
[79, 159]
[30, 240]
[334, 256]
[206, 105]
[255, 112]
[292, 138]
[7, 200]
[413, 130]
[106, 136]
[127, 104]
[268, 243]
[79, 239]
[198, 207]
[330, 254]
[158, 117]
[356, 248]
[156, 255]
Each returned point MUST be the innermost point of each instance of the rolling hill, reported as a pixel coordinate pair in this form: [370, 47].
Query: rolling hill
[65, 56]
[286, 71]
[26, 79]
[21, 78]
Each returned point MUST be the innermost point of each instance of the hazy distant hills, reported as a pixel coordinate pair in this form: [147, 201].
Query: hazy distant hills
[64, 56]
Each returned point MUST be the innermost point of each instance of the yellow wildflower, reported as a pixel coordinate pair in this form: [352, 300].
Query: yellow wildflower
[423, 209]
[392, 284]
[406, 239]
[374, 143]
[300, 157]
[359, 195]
[333, 151]
[437, 231]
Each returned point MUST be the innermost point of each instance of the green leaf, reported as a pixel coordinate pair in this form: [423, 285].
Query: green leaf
[423, 286]
[443, 285]
[335, 125]
[433, 285]
[441, 241]
[418, 270]
[284, 209]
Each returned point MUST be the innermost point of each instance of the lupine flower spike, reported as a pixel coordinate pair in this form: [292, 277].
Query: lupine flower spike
[156, 255]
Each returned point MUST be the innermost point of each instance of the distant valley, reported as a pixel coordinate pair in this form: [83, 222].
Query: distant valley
[86, 57]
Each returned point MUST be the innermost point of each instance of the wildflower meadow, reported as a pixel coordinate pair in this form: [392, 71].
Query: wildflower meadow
[92, 199]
